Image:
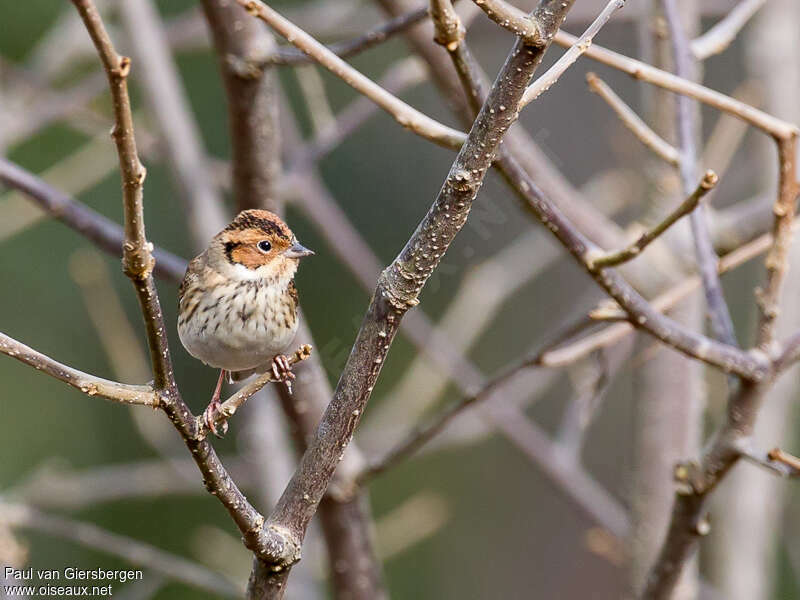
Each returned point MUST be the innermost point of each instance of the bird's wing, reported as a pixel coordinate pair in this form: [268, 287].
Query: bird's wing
[192, 275]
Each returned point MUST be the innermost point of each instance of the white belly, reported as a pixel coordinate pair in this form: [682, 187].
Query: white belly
[245, 330]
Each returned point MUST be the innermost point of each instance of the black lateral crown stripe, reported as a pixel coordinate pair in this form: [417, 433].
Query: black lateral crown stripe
[249, 221]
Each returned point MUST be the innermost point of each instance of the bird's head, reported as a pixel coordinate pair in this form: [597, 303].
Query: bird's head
[258, 245]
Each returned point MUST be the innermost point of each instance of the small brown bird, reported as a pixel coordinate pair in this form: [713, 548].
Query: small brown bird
[238, 301]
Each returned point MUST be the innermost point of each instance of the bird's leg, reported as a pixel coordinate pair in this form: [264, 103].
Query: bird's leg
[210, 413]
[283, 371]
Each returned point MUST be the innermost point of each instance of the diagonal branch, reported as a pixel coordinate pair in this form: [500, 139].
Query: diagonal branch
[581, 45]
[88, 384]
[404, 114]
[719, 37]
[643, 72]
[348, 48]
[633, 122]
[104, 232]
[229, 407]
[630, 252]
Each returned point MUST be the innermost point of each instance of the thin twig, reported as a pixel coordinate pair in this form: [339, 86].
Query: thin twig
[777, 260]
[633, 122]
[687, 126]
[568, 354]
[177, 128]
[423, 433]
[791, 461]
[229, 407]
[618, 257]
[649, 74]
[582, 44]
[720, 36]
[348, 48]
[88, 384]
[404, 114]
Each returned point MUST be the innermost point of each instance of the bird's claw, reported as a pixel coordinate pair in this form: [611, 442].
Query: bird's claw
[210, 419]
[282, 370]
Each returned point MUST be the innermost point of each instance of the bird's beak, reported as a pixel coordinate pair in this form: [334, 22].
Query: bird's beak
[297, 250]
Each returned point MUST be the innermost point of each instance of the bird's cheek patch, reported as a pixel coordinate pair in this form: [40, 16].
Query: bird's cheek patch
[247, 256]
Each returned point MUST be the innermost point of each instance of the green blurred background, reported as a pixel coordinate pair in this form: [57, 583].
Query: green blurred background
[503, 530]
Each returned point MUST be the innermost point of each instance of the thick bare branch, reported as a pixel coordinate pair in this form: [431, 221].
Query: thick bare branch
[252, 101]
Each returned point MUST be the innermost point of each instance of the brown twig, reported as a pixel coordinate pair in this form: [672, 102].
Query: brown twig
[581, 45]
[791, 461]
[403, 113]
[232, 404]
[88, 384]
[633, 122]
[568, 354]
[176, 127]
[618, 257]
[776, 261]
[348, 48]
[649, 74]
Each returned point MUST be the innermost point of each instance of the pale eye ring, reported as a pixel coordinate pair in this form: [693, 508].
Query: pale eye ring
[264, 246]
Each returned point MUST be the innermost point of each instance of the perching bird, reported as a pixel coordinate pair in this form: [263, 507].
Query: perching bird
[238, 301]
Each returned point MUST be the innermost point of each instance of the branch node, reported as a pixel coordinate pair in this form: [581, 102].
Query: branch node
[123, 68]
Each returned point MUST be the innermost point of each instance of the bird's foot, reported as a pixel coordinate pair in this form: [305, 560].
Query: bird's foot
[282, 370]
[211, 416]
[212, 411]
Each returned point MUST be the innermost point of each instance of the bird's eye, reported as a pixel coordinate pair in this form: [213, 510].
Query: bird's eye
[264, 246]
